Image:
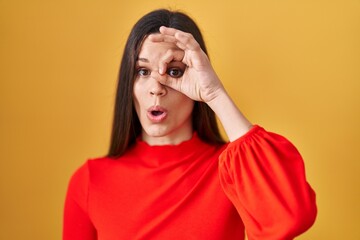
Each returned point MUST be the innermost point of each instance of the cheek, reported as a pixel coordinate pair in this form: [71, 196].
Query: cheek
[185, 105]
[137, 93]
[136, 89]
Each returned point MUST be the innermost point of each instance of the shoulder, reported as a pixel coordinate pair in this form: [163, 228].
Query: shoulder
[82, 174]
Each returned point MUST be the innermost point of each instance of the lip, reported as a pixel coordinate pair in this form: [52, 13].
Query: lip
[156, 118]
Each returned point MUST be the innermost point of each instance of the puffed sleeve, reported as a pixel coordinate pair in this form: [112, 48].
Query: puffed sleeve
[76, 223]
[263, 175]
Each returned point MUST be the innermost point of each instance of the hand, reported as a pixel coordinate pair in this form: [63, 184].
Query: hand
[199, 81]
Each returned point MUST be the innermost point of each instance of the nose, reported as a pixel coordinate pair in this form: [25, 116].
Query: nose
[156, 88]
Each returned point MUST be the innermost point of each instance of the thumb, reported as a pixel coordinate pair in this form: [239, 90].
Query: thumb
[169, 82]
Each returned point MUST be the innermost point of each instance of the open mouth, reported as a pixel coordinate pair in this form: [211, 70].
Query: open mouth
[157, 114]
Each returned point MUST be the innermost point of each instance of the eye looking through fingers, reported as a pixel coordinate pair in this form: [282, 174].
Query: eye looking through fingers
[175, 69]
[175, 72]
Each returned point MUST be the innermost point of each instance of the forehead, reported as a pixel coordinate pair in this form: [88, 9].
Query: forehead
[151, 50]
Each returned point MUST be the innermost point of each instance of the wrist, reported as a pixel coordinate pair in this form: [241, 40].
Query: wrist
[234, 122]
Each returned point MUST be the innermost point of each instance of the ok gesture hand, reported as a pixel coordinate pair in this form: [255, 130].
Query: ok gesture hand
[199, 81]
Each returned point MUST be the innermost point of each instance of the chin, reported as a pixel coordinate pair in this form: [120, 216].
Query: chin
[156, 132]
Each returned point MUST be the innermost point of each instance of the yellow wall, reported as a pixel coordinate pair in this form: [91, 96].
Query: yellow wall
[292, 66]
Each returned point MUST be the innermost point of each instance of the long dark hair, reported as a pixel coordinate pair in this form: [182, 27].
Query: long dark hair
[126, 125]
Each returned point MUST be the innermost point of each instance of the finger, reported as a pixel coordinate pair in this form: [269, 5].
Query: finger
[166, 38]
[168, 30]
[165, 80]
[183, 39]
[170, 56]
[171, 83]
[162, 38]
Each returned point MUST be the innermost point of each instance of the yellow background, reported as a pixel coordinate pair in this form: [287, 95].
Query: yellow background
[291, 66]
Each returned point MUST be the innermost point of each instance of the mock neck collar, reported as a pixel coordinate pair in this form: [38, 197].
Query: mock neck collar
[163, 155]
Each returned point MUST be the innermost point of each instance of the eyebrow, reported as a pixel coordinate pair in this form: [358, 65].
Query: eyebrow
[147, 60]
[143, 60]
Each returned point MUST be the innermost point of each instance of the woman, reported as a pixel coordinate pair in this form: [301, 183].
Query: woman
[168, 173]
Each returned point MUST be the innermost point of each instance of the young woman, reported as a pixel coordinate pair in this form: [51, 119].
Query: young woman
[168, 173]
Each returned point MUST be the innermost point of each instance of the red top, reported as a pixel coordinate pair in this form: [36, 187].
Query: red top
[193, 191]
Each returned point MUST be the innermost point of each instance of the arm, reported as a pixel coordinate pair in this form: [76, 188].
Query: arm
[234, 122]
[76, 223]
[261, 173]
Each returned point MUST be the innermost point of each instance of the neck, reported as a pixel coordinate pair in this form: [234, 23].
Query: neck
[173, 138]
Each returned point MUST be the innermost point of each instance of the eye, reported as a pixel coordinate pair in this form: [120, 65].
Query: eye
[175, 72]
[143, 72]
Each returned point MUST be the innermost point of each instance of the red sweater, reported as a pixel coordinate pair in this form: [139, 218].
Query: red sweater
[193, 191]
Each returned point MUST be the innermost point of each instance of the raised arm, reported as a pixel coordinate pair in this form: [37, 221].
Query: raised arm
[261, 173]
